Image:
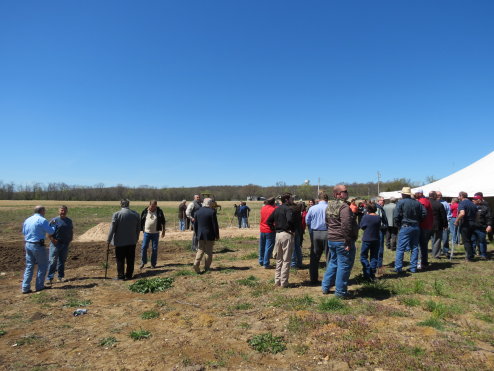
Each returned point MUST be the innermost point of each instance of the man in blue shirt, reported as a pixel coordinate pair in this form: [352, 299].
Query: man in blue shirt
[59, 248]
[467, 212]
[243, 213]
[34, 230]
[316, 221]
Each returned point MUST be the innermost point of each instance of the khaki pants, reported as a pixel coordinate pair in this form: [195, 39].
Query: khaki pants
[204, 248]
[283, 249]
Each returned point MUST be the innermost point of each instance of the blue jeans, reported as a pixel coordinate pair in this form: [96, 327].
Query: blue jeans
[479, 239]
[154, 238]
[339, 267]
[266, 245]
[446, 241]
[58, 256]
[453, 231]
[181, 224]
[245, 222]
[373, 249]
[297, 251]
[408, 239]
[35, 254]
[380, 255]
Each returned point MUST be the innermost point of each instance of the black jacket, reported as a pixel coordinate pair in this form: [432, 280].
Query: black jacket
[161, 219]
[281, 219]
[439, 219]
[206, 224]
[483, 217]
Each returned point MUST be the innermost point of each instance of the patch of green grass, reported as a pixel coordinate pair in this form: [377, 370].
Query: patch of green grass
[75, 303]
[293, 303]
[2, 332]
[244, 325]
[267, 343]
[184, 272]
[432, 322]
[262, 288]
[140, 334]
[250, 281]
[161, 303]
[108, 341]
[376, 289]
[332, 305]
[296, 324]
[409, 301]
[485, 317]
[252, 255]
[150, 314]
[415, 351]
[243, 306]
[438, 288]
[419, 287]
[150, 285]
[42, 298]
[441, 310]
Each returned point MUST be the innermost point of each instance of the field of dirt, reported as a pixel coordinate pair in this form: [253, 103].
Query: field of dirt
[205, 321]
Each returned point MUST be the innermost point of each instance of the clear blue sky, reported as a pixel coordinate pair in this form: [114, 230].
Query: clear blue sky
[185, 93]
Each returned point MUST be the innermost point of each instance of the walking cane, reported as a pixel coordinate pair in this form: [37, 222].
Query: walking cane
[107, 254]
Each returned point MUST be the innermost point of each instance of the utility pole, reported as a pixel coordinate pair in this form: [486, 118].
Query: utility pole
[378, 182]
[318, 184]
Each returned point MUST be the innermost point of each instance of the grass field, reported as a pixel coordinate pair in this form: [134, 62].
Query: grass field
[86, 215]
[234, 317]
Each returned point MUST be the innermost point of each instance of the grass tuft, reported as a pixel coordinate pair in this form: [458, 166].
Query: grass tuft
[409, 301]
[150, 314]
[108, 341]
[267, 343]
[140, 334]
[250, 281]
[432, 322]
[150, 285]
[332, 305]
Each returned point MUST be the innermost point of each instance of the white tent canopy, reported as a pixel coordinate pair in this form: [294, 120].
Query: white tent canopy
[477, 177]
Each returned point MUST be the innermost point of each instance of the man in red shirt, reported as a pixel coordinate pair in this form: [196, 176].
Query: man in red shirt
[267, 236]
[453, 229]
[425, 229]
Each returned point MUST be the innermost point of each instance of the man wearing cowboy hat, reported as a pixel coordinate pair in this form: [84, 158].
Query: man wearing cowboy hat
[407, 216]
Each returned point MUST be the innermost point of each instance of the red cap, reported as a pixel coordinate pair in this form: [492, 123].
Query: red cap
[477, 197]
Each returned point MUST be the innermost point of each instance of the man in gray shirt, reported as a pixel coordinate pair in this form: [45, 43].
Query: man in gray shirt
[124, 233]
[392, 230]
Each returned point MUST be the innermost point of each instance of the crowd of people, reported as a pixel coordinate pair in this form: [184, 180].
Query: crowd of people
[405, 225]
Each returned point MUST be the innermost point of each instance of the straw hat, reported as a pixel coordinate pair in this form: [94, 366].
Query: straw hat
[406, 191]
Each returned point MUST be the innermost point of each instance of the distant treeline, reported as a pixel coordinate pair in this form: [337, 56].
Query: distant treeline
[98, 192]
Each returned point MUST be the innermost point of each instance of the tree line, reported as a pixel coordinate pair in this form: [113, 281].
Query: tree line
[98, 192]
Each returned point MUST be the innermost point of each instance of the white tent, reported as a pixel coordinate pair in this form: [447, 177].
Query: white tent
[477, 177]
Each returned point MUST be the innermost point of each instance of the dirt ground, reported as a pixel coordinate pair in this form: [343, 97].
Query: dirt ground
[204, 321]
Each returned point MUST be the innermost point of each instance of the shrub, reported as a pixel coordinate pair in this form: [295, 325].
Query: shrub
[267, 343]
[147, 285]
